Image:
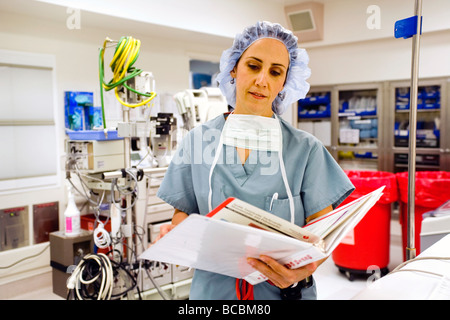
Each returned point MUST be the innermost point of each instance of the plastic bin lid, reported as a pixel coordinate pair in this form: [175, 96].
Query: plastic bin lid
[368, 181]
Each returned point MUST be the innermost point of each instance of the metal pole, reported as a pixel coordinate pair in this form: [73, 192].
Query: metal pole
[129, 217]
[410, 248]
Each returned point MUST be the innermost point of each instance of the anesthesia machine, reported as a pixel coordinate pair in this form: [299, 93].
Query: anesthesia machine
[115, 174]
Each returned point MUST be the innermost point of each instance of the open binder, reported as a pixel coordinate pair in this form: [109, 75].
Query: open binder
[222, 241]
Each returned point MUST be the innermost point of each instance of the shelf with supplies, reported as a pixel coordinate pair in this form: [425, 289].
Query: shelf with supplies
[368, 124]
[428, 98]
[346, 119]
[315, 105]
[358, 119]
[432, 128]
[428, 116]
[314, 114]
[424, 162]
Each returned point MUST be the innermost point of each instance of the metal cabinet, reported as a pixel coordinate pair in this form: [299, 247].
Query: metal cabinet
[314, 114]
[432, 141]
[346, 119]
[358, 120]
[366, 125]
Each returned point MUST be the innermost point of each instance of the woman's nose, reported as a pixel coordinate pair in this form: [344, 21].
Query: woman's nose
[261, 79]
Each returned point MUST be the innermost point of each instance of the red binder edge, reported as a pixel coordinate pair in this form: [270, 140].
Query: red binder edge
[220, 207]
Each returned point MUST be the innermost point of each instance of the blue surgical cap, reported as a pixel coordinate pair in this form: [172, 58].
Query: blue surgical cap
[295, 87]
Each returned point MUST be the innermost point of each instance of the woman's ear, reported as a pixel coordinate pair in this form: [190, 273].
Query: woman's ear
[233, 73]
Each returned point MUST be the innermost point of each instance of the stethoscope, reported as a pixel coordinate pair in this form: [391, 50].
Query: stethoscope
[282, 167]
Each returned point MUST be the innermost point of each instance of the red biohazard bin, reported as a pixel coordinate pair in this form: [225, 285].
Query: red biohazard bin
[432, 189]
[366, 247]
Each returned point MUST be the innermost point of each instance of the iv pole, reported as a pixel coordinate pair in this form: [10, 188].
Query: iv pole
[410, 248]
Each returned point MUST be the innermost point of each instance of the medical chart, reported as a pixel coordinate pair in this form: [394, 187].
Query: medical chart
[222, 241]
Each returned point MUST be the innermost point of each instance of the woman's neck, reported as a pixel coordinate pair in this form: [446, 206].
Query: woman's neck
[263, 113]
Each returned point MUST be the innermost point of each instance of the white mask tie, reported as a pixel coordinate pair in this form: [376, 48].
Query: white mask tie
[243, 131]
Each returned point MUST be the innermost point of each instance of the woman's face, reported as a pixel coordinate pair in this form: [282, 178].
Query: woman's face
[260, 75]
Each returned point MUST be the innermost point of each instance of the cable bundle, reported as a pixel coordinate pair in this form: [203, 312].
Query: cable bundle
[125, 55]
[93, 278]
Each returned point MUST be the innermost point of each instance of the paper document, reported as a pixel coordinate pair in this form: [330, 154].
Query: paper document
[221, 241]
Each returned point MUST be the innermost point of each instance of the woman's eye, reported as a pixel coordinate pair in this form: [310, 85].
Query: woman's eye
[276, 73]
[253, 66]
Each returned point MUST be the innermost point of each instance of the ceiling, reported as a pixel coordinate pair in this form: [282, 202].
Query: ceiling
[58, 14]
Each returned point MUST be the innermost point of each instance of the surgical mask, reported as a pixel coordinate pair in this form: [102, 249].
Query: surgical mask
[252, 132]
[256, 133]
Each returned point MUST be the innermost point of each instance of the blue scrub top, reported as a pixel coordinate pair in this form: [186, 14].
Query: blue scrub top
[315, 179]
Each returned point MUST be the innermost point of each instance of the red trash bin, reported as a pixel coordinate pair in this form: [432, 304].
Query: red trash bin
[432, 189]
[367, 245]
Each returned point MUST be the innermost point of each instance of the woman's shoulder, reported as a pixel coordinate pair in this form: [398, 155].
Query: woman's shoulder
[293, 135]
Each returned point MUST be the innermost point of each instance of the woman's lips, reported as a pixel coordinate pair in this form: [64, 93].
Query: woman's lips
[257, 95]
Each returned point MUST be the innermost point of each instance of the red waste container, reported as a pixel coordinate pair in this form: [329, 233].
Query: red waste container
[367, 245]
[432, 189]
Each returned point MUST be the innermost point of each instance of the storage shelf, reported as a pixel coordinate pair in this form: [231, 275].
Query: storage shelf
[433, 122]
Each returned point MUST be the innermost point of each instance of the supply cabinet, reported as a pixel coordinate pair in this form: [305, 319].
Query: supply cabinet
[359, 113]
[314, 114]
[346, 119]
[432, 142]
[366, 126]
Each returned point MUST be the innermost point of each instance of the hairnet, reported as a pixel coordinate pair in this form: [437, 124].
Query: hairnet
[295, 87]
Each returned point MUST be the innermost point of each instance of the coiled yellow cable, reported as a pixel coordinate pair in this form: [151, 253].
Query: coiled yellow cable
[125, 55]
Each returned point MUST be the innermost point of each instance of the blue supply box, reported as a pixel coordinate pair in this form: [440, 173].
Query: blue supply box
[358, 106]
[429, 98]
[315, 105]
[80, 113]
[427, 135]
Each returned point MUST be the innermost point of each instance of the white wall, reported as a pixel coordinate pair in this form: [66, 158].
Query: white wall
[379, 60]
[351, 52]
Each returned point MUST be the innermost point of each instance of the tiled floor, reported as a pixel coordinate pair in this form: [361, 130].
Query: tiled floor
[331, 284]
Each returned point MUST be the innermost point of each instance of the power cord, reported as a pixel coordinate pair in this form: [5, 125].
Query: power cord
[125, 55]
[102, 238]
[400, 266]
[26, 258]
[94, 278]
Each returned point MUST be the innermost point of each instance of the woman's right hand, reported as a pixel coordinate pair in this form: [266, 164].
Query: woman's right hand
[178, 216]
[163, 230]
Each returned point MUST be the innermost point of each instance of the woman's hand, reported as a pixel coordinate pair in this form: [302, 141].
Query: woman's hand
[163, 230]
[178, 216]
[278, 274]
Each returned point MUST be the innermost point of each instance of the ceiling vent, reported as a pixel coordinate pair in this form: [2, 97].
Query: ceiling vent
[306, 20]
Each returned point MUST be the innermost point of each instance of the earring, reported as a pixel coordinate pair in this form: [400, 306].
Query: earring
[232, 81]
[282, 95]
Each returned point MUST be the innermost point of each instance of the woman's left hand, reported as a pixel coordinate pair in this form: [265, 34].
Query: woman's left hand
[278, 274]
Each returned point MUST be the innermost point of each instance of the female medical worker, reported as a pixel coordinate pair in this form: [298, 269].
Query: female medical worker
[254, 155]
